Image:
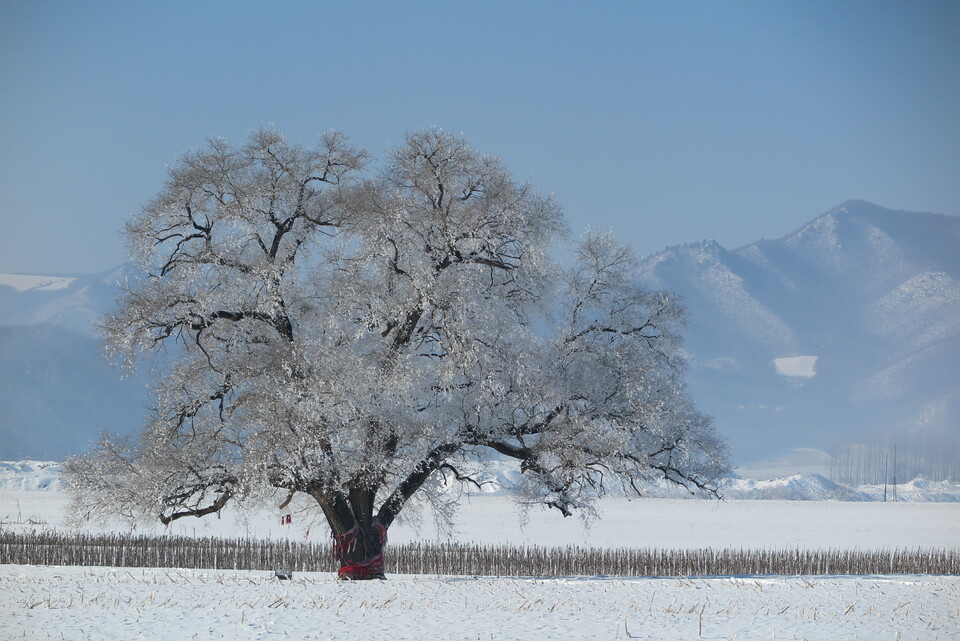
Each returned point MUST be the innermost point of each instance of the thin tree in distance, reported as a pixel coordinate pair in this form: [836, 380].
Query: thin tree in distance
[349, 337]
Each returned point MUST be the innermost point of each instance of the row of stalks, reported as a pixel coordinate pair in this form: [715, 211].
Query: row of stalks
[165, 551]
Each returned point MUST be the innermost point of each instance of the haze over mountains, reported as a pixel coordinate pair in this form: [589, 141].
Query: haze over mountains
[847, 329]
[57, 392]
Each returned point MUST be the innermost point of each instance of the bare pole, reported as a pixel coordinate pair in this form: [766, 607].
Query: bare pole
[894, 472]
[886, 460]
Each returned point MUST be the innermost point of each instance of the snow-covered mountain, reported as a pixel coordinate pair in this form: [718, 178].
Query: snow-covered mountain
[501, 479]
[57, 392]
[73, 302]
[848, 328]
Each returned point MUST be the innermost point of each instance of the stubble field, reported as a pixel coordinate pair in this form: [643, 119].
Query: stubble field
[127, 604]
[41, 602]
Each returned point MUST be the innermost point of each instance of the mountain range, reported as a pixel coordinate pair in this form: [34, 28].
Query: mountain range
[57, 392]
[847, 329]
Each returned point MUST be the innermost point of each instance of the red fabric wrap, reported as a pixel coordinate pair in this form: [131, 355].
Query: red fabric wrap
[359, 571]
[344, 544]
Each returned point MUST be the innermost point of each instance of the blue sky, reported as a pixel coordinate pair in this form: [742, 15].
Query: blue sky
[667, 122]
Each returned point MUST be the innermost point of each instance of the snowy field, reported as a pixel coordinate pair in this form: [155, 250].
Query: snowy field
[32, 497]
[125, 604]
[658, 523]
[121, 604]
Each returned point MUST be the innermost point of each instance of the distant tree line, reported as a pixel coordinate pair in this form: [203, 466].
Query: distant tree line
[124, 550]
[934, 455]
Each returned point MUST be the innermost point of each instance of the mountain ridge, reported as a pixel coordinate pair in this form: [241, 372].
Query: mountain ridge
[871, 293]
[844, 329]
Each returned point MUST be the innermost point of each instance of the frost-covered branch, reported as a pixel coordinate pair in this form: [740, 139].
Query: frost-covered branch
[352, 337]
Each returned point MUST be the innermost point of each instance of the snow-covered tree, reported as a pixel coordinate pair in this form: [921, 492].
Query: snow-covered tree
[351, 338]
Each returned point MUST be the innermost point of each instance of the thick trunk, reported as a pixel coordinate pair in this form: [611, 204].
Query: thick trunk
[360, 552]
[358, 537]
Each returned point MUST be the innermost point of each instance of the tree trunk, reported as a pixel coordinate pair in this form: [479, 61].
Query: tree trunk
[358, 537]
[360, 552]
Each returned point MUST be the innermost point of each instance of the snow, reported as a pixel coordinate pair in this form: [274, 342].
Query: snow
[128, 604]
[23, 283]
[919, 489]
[798, 366]
[800, 487]
[671, 523]
[31, 475]
[873, 293]
[762, 480]
[806, 511]
[656, 523]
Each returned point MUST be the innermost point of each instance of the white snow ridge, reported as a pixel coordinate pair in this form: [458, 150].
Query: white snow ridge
[23, 283]
[31, 476]
[796, 366]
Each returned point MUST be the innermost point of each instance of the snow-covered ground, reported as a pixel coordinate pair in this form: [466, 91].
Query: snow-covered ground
[657, 523]
[127, 604]
[32, 497]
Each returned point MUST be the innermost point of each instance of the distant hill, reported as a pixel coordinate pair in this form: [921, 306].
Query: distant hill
[57, 392]
[500, 478]
[73, 302]
[848, 328]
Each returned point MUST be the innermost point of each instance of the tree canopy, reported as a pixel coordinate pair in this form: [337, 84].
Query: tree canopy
[349, 334]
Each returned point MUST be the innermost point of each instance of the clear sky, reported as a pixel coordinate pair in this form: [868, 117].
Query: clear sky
[669, 122]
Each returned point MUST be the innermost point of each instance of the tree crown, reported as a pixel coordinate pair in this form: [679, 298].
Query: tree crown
[349, 337]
